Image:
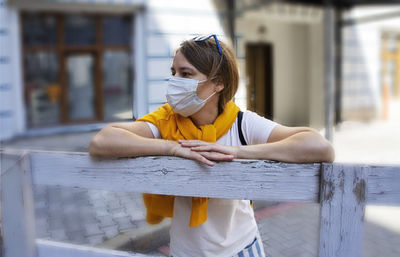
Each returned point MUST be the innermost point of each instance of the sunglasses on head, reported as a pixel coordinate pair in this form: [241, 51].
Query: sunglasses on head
[205, 38]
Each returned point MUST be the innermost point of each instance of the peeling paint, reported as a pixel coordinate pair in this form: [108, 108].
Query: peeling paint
[328, 190]
[341, 185]
[247, 162]
[359, 191]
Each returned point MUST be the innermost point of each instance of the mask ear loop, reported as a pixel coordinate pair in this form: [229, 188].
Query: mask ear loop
[205, 100]
[202, 81]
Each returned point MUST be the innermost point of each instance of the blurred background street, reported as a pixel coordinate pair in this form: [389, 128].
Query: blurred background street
[69, 67]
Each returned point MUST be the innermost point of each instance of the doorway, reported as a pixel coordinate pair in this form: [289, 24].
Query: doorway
[259, 71]
[81, 87]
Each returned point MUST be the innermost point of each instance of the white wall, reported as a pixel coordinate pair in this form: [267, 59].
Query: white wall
[168, 24]
[316, 99]
[298, 68]
[361, 61]
[12, 115]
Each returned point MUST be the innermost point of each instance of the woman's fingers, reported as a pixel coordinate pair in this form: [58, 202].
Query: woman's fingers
[214, 148]
[198, 145]
[201, 158]
[206, 148]
[217, 156]
[208, 157]
[205, 152]
[186, 152]
[201, 146]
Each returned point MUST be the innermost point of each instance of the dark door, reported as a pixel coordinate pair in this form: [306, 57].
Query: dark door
[259, 58]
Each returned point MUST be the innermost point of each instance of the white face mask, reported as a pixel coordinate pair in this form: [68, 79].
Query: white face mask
[182, 96]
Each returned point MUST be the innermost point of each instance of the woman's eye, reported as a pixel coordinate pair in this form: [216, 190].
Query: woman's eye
[185, 74]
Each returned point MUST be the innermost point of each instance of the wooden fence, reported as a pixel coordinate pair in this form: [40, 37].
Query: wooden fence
[342, 190]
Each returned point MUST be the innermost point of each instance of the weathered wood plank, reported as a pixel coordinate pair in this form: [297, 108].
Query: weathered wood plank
[242, 179]
[383, 185]
[9, 158]
[17, 209]
[56, 249]
[343, 193]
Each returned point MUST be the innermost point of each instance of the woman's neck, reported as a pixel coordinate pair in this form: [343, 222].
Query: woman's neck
[207, 115]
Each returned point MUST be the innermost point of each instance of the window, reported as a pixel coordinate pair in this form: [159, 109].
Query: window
[77, 68]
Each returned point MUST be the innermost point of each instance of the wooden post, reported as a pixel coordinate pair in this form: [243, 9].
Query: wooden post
[17, 208]
[343, 197]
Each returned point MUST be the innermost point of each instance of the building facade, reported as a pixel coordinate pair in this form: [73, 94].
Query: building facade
[370, 61]
[73, 65]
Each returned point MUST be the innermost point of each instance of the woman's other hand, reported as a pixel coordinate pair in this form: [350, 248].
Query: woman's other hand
[205, 152]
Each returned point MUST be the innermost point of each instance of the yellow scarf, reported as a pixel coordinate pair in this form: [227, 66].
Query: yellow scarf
[173, 126]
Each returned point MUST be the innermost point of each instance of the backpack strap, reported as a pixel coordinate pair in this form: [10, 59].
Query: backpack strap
[242, 140]
[241, 137]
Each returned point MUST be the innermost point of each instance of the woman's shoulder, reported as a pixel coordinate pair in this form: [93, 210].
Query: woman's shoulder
[253, 116]
[256, 129]
[164, 112]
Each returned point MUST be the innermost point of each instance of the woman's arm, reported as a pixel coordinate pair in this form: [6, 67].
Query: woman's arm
[136, 139]
[286, 144]
[291, 144]
[126, 140]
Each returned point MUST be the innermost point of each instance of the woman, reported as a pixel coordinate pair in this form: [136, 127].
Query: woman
[200, 122]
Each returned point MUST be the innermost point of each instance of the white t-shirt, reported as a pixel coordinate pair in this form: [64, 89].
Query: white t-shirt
[230, 224]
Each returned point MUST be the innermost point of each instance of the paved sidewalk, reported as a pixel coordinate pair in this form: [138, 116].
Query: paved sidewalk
[87, 217]
[375, 142]
[295, 232]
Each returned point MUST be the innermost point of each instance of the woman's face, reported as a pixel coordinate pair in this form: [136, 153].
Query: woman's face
[182, 68]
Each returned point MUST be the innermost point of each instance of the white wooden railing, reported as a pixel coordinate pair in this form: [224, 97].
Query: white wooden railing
[342, 190]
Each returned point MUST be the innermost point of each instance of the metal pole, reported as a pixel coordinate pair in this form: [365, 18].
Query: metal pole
[329, 64]
[338, 64]
[231, 22]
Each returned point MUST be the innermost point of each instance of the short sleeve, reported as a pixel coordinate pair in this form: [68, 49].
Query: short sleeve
[154, 129]
[256, 129]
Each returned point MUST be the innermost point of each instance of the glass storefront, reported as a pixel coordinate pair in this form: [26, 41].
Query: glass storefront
[80, 86]
[80, 30]
[77, 68]
[116, 85]
[42, 88]
[40, 30]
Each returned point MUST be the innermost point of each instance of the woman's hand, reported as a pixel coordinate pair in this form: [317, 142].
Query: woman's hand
[205, 152]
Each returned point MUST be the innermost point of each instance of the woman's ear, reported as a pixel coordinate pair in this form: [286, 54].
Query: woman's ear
[219, 87]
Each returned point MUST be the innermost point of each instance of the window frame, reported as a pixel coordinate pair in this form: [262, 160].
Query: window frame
[62, 51]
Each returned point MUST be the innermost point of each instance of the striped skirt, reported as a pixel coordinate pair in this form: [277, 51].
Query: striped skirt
[255, 249]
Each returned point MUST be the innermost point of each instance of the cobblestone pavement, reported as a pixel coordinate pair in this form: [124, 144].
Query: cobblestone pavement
[295, 232]
[83, 216]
